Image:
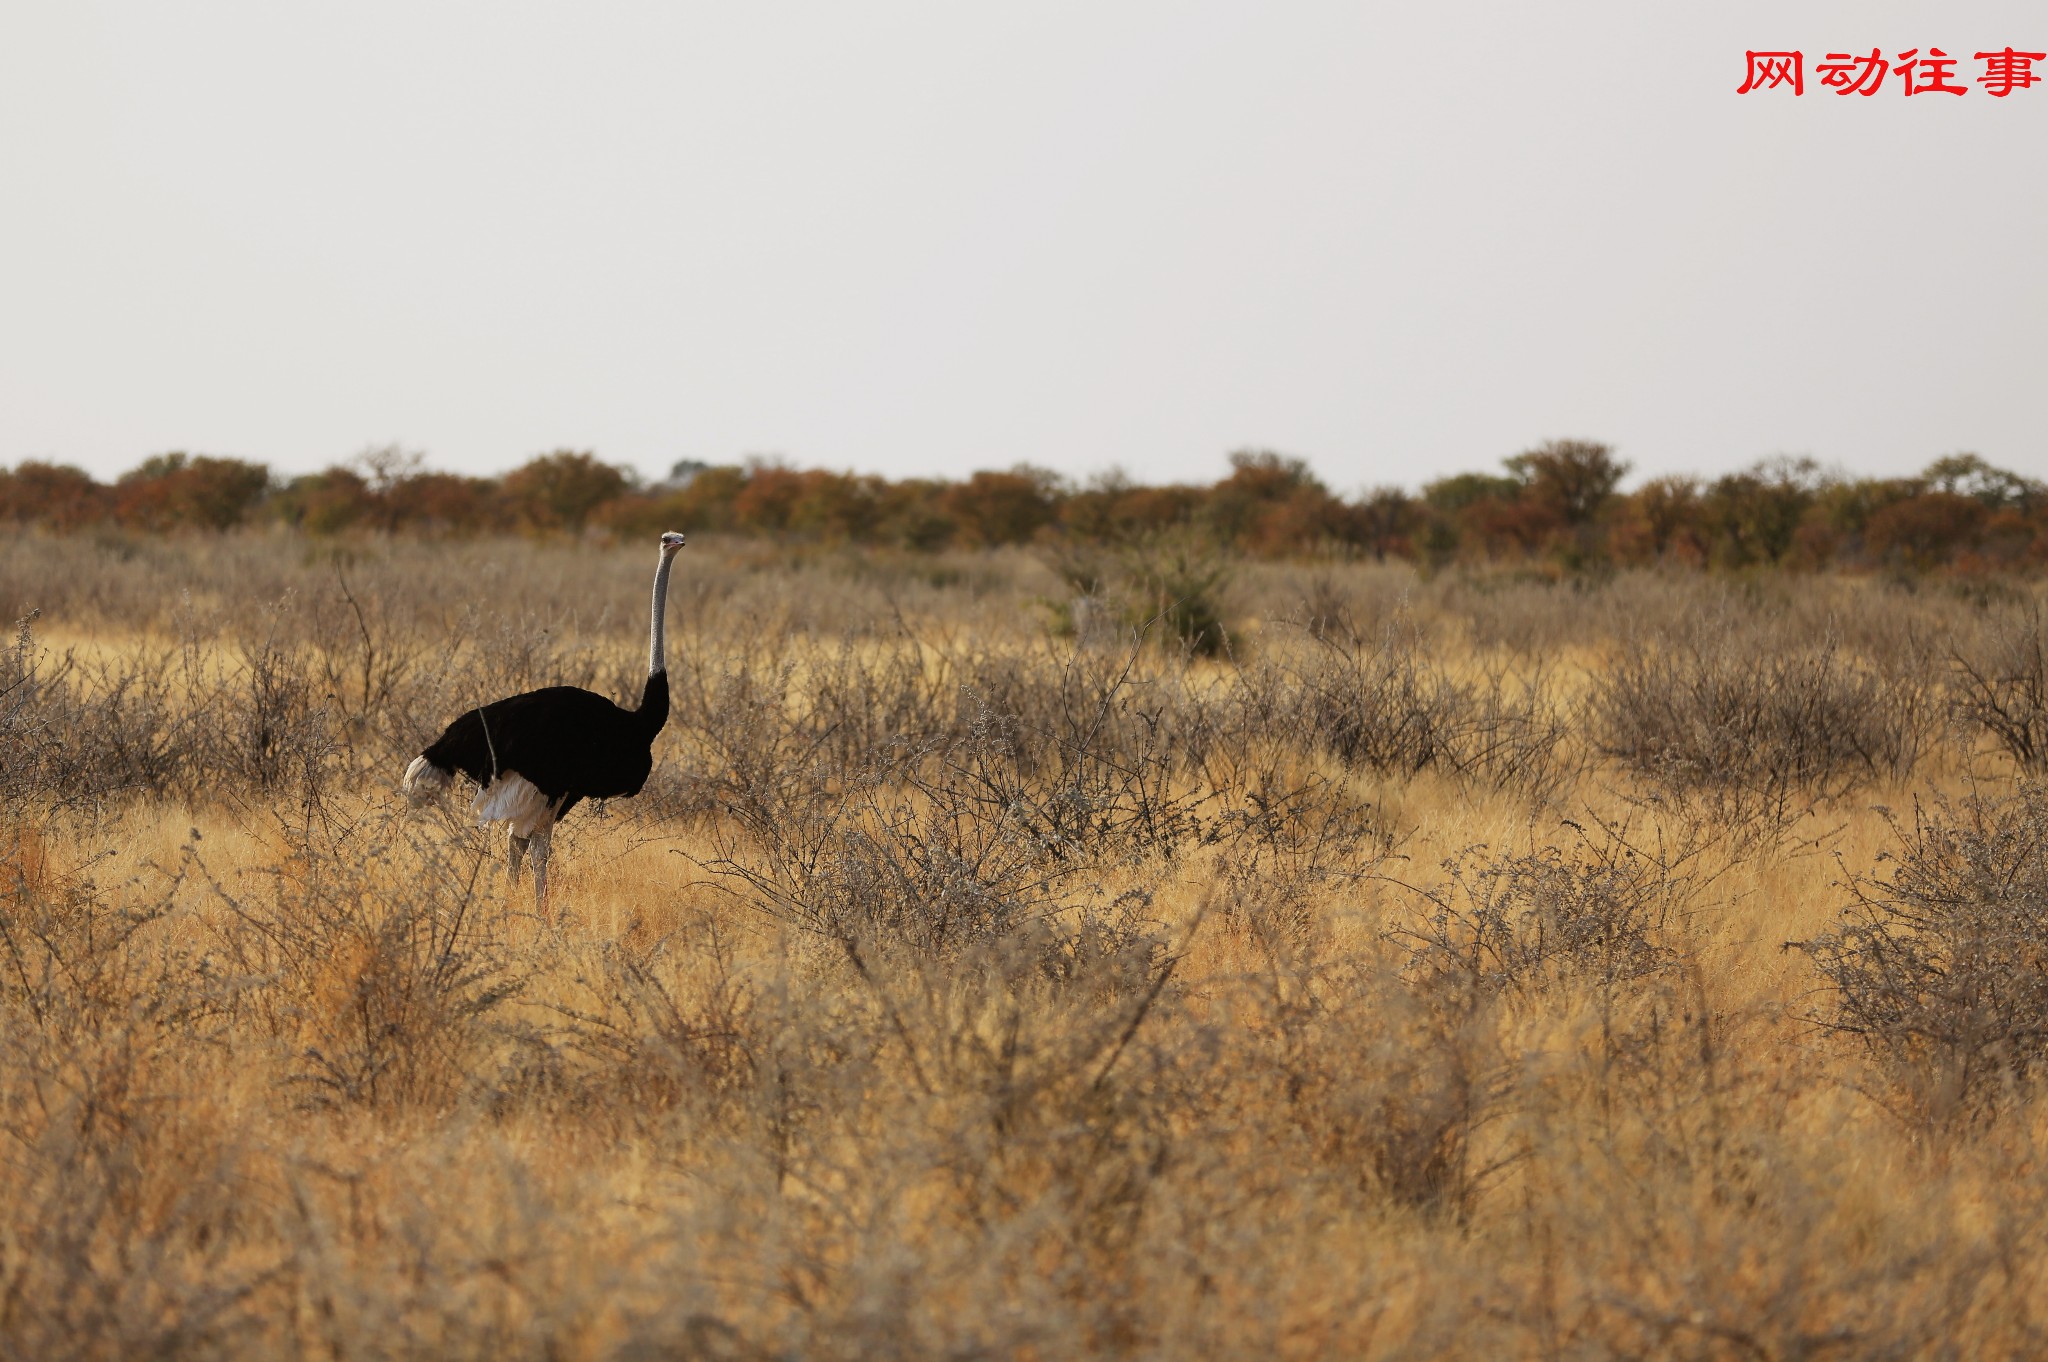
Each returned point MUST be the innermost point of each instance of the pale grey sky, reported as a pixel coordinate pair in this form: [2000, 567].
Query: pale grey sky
[1395, 240]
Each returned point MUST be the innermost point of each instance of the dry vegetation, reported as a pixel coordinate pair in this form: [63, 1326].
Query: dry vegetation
[1461, 968]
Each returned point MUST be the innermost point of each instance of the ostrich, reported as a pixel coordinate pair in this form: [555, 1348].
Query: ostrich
[535, 756]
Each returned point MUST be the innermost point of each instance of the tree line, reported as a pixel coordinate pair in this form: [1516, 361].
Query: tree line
[1558, 504]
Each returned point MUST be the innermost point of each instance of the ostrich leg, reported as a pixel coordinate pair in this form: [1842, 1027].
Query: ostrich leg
[518, 856]
[542, 844]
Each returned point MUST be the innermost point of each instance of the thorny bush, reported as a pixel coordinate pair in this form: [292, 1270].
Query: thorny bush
[382, 962]
[1605, 909]
[1941, 967]
[2001, 686]
[1374, 700]
[1754, 723]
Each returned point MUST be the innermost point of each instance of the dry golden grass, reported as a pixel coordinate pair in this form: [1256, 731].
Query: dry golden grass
[955, 992]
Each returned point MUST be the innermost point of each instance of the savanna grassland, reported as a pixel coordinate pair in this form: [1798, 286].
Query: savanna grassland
[1023, 956]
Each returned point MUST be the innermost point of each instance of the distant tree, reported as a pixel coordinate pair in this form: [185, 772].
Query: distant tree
[385, 467]
[1753, 516]
[1110, 508]
[709, 501]
[1272, 505]
[1309, 519]
[843, 507]
[1239, 508]
[562, 489]
[383, 472]
[1574, 479]
[56, 495]
[327, 502]
[1560, 499]
[913, 515]
[1144, 509]
[1926, 531]
[768, 502]
[1387, 518]
[1506, 527]
[168, 491]
[1571, 483]
[772, 498]
[1436, 542]
[1970, 476]
[2011, 538]
[448, 503]
[1835, 524]
[1663, 521]
[1090, 511]
[1003, 508]
[1454, 493]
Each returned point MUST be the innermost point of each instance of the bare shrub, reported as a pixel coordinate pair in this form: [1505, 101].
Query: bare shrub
[674, 1020]
[267, 724]
[1526, 614]
[1037, 1057]
[186, 719]
[1941, 969]
[26, 742]
[951, 844]
[878, 863]
[1073, 758]
[66, 961]
[1049, 1032]
[120, 1237]
[1391, 1089]
[382, 967]
[1429, 1070]
[1091, 757]
[1376, 702]
[1700, 1216]
[2000, 687]
[77, 733]
[1373, 703]
[1329, 595]
[1518, 734]
[125, 1227]
[1762, 725]
[1599, 909]
[371, 656]
[1272, 900]
[73, 964]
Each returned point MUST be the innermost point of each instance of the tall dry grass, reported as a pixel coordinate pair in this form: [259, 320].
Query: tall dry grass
[1453, 968]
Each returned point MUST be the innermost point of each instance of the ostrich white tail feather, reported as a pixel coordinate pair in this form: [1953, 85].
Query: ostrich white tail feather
[515, 800]
[424, 781]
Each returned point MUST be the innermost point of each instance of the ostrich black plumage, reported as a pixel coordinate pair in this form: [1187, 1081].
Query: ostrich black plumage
[536, 756]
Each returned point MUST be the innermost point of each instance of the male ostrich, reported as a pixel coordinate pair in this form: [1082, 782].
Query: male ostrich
[535, 756]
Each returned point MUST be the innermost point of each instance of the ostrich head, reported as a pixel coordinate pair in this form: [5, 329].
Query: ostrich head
[670, 542]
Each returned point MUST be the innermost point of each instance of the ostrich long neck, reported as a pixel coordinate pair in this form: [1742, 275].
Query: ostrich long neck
[657, 640]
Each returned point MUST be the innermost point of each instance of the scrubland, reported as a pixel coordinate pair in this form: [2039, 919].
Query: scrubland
[1228, 960]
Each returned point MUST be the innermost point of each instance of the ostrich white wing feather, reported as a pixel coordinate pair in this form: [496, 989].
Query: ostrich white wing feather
[513, 799]
[424, 780]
